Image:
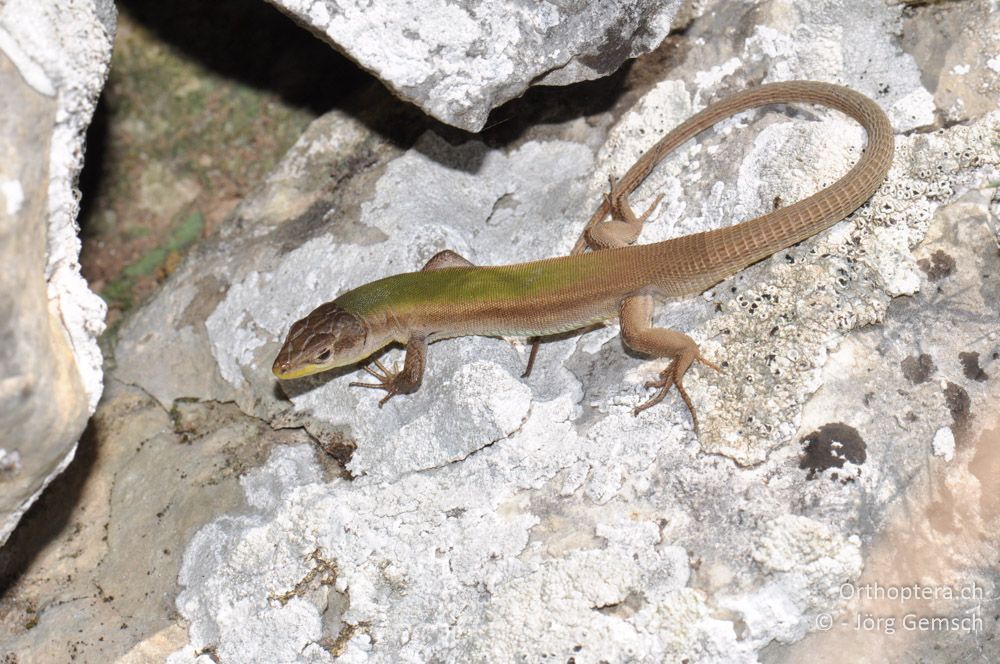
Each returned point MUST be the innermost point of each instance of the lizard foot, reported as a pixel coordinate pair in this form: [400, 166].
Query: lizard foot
[386, 381]
[645, 215]
[673, 376]
[617, 202]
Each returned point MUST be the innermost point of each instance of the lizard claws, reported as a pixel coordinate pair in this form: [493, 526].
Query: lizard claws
[708, 363]
[669, 378]
[386, 381]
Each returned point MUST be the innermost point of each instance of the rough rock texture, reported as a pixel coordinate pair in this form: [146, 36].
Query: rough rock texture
[492, 518]
[942, 39]
[141, 485]
[484, 504]
[53, 62]
[941, 533]
[457, 59]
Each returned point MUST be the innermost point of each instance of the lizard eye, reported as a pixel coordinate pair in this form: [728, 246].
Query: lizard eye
[324, 356]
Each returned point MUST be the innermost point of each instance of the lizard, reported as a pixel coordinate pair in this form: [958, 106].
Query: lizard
[451, 297]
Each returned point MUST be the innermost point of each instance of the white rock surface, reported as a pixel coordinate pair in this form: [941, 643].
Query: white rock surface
[458, 59]
[553, 523]
[55, 60]
[943, 444]
[492, 518]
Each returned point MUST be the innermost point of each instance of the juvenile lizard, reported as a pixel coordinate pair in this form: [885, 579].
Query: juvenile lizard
[451, 297]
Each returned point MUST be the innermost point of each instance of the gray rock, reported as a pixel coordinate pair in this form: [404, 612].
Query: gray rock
[53, 62]
[458, 59]
[491, 518]
[948, 419]
[943, 40]
[484, 505]
[104, 589]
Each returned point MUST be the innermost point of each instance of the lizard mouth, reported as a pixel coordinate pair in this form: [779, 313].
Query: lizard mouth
[283, 370]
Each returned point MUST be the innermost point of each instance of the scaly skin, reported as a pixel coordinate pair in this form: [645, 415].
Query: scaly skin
[450, 297]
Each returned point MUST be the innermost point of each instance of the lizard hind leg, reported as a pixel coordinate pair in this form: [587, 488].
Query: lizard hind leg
[624, 227]
[639, 335]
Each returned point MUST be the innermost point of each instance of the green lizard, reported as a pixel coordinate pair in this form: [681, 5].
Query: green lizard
[451, 297]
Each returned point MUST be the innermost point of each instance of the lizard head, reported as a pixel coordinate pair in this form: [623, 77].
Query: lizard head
[328, 337]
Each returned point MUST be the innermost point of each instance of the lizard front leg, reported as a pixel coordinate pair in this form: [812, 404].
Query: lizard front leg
[639, 334]
[406, 381]
[623, 229]
[445, 259]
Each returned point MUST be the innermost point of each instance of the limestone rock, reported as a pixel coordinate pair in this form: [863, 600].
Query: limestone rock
[493, 518]
[457, 59]
[484, 504]
[53, 61]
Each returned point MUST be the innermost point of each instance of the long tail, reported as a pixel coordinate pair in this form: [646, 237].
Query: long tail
[717, 254]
